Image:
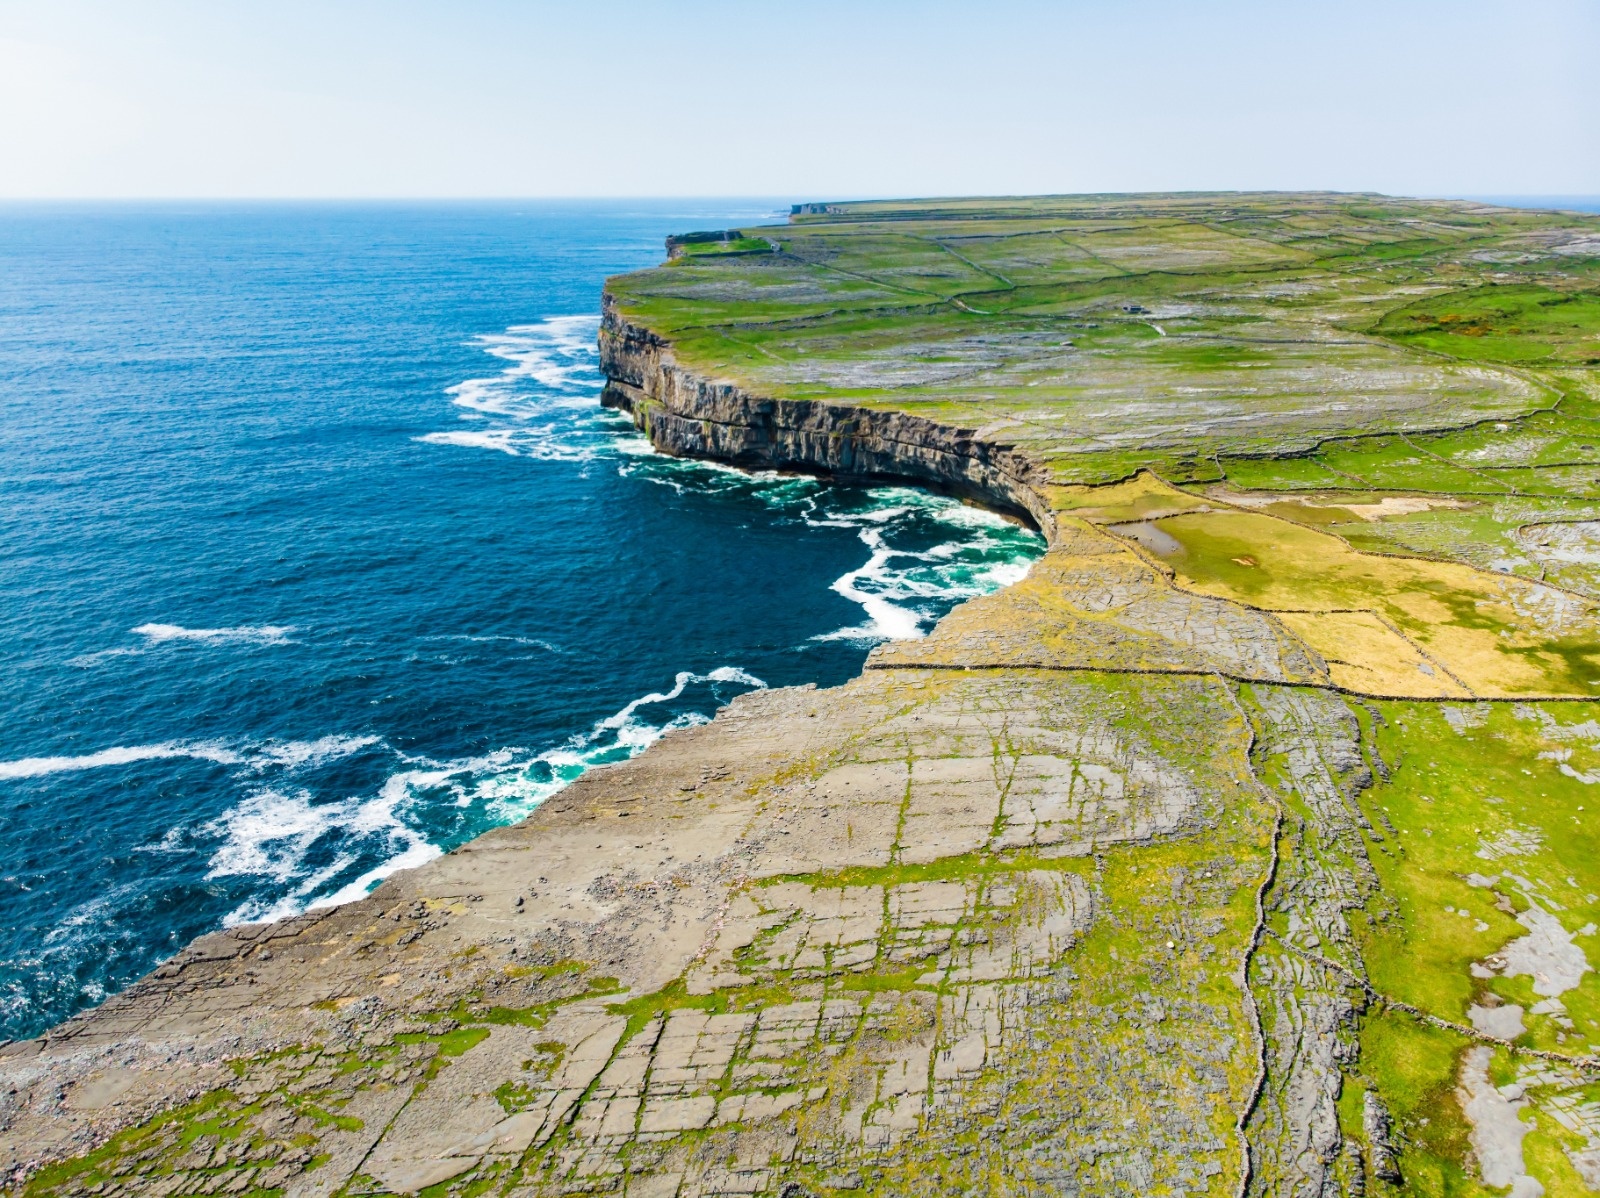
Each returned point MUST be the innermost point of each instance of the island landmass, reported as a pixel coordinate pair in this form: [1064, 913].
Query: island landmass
[1239, 849]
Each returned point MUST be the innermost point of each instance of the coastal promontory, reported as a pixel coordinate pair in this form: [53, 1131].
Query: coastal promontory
[1240, 849]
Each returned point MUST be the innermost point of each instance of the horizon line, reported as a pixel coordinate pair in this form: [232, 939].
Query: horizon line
[784, 197]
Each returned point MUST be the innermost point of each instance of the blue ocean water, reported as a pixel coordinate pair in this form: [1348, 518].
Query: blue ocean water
[1567, 203]
[318, 557]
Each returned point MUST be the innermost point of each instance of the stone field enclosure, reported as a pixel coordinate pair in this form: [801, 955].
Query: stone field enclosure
[1240, 849]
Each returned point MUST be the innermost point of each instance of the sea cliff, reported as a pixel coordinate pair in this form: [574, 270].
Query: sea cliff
[688, 414]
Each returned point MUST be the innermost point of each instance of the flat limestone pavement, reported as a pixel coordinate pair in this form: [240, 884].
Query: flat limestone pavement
[829, 931]
[1239, 849]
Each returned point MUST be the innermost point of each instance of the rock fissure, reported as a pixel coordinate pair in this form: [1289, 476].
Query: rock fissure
[1247, 1169]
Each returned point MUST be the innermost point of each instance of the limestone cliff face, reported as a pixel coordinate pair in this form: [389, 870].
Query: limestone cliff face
[685, 413]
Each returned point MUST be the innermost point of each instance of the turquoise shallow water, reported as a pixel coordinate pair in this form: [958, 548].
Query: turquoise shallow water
[318, 557]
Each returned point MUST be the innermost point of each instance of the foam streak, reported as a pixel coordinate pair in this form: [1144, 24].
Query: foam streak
[264, 634]
[36, 767]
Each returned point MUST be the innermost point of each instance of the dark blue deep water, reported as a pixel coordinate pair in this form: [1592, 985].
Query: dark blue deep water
[318, 557]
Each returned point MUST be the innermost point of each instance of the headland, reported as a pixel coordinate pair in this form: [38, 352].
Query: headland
[1239, 849]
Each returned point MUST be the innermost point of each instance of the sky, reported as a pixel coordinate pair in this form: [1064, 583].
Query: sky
[805, 99]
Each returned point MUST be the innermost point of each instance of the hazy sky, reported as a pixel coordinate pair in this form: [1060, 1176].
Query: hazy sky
[803, 99]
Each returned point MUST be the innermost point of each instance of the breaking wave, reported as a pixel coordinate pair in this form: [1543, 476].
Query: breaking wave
[420, 704]
[300, 851]
[902, 591]
[297, 849]
[545, 401]
[268, 754]
[293, 840]
[542, 405]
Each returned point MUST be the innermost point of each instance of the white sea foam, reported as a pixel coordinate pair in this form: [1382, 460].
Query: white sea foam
[495, 438]
[886, 619]
[160, 634]
[559, 353]
[901, 590]
[512, 792]
[272, 832]
[295, 754]
[268, 834]
[542, 405]
[531, 642]
[417, 854]
[640, 459]
[85, 660]
[276, 831]
[296, 852]
[964, 515]
[624, 718]
[295, 901]
[263, 634]
[35, 767]
[289, 755]
[307, 852]
[301, 849]
[92, 912]
[89, 930]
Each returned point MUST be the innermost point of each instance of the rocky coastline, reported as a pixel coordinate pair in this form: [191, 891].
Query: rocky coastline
[687, 414]
[1118, 882]
[256, 991]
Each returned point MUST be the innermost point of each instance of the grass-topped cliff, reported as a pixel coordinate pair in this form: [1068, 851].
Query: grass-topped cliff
[1240, 849]
[1104, 334]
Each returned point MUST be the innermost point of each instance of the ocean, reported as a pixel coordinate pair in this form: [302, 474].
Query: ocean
[318, 557]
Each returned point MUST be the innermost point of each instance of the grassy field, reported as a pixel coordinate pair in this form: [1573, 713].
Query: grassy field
[1154, 330]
